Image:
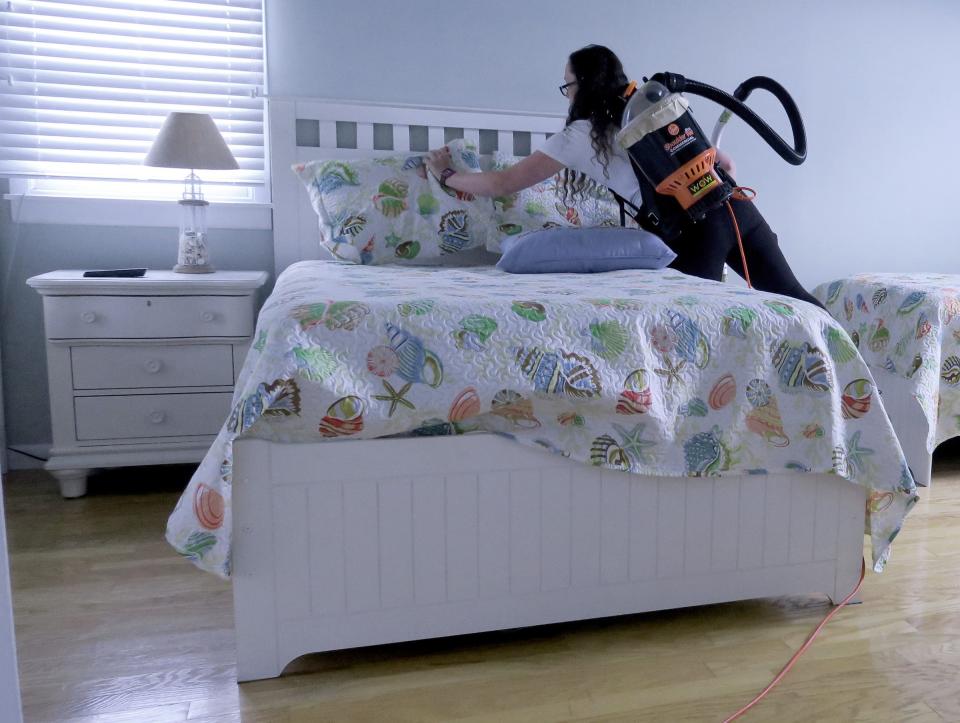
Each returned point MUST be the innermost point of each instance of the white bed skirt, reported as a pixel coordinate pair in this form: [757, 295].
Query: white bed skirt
[353, 543]
[909, 422]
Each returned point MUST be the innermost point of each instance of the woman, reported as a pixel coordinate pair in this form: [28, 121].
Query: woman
[594, 82]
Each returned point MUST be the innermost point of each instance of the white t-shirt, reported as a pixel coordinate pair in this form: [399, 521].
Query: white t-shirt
[573, 148]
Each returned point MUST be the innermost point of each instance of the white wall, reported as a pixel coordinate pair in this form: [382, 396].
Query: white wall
[876, 82]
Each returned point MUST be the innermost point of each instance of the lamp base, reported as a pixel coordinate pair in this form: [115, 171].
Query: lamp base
[193, 269]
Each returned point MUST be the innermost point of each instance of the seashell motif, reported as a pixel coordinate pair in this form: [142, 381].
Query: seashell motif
[766, 422]
[314, 363]
[696, 407]
[407, 250]
[879, 296]
[663, 338]
[608, 339]
[951, 308]
[474, 331]
[352, 226]
[855, 338]
[705, 454]
[570, 419]
[880, 337]
[737, 320]
[198, 544]
[636, 380]
[569, 213]
[344, 417]
[416, 363]
[813, 431]
[633, 402]
[723, 392]
[560, 372]
[801, 366]
[950, 370]
[856, 397]
[889, 366]
[917, 363]
[510, 229]
[391, 199]
[847, 307]
[415, 163]
[879, 501]
[529, 310]
[691, 345]
[208, 507]
[512, 406]
[833, 291]
[336, 315]
[923, 326]
[605, 452]
[862, 304]
[466, 405]
[333, 175]
[427, 204]
[840, 346]
[417, 307]
[758, 392]
[454, 231]
[780, 307]
[382, 361]
[913, 300]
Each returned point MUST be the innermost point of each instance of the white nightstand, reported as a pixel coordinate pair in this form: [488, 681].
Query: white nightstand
[141, 370]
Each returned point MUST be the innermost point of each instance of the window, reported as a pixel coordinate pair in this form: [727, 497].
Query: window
[86, 84]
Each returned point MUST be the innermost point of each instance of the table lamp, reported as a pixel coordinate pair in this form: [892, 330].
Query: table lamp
[191, 140]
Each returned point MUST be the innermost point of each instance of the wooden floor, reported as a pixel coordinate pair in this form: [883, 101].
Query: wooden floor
[113, 626]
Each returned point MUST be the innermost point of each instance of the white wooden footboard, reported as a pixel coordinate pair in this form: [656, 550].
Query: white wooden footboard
[356, 543]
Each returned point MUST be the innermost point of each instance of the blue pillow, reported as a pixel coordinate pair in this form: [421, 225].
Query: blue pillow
[583, 251]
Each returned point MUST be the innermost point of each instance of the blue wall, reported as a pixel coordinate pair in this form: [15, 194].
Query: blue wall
[869, 197]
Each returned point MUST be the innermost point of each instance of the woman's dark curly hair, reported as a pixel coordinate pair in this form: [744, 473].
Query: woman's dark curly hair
[600, 85]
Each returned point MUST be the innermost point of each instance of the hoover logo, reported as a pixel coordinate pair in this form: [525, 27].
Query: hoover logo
[702, 184]
[673, 129]
[684, 139]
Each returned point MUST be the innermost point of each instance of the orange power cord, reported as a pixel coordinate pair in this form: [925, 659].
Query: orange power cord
[740, 194]
[786, 668]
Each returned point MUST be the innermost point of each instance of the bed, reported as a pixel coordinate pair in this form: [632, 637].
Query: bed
[907, 328]
[445, 451]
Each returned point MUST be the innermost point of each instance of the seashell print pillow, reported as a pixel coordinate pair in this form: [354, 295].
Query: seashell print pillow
[391, 210]
[569, 198]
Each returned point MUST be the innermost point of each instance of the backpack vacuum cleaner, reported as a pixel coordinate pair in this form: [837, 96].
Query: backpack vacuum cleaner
[675, 161]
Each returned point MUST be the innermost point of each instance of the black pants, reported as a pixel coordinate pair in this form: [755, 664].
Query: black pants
[704, 247]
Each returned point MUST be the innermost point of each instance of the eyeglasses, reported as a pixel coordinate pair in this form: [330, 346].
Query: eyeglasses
[563, 88]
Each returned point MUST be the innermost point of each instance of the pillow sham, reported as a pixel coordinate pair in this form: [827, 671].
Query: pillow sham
[567, 199]
[391, 210]
[583, 251]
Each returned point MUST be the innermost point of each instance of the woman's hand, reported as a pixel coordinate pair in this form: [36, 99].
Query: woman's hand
[438, 160]
[726, 163]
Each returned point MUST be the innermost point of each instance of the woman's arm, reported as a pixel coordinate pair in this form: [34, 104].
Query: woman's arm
[726, 163]
[528, 172]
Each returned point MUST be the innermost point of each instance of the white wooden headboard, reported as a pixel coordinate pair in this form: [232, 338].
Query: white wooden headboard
[305, 129]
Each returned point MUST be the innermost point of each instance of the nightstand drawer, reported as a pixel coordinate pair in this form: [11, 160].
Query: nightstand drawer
[151, 415]
[151, 365]
[145, 317]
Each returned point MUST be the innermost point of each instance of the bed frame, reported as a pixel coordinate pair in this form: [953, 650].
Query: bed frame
[352, 543]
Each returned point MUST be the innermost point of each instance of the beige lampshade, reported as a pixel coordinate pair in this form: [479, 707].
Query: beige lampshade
[190, 140]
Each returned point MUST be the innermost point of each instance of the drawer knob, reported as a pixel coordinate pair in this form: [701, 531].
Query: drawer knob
[157, 417]
[208, 316]
[88, 317]
[153, 365]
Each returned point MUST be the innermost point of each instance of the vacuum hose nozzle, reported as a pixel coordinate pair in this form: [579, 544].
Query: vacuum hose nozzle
[795, 154]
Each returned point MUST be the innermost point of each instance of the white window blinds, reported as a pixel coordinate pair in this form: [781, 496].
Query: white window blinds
[86, 84]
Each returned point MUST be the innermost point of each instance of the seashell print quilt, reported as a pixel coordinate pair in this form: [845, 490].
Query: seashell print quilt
[907, 325]
[651, 372]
